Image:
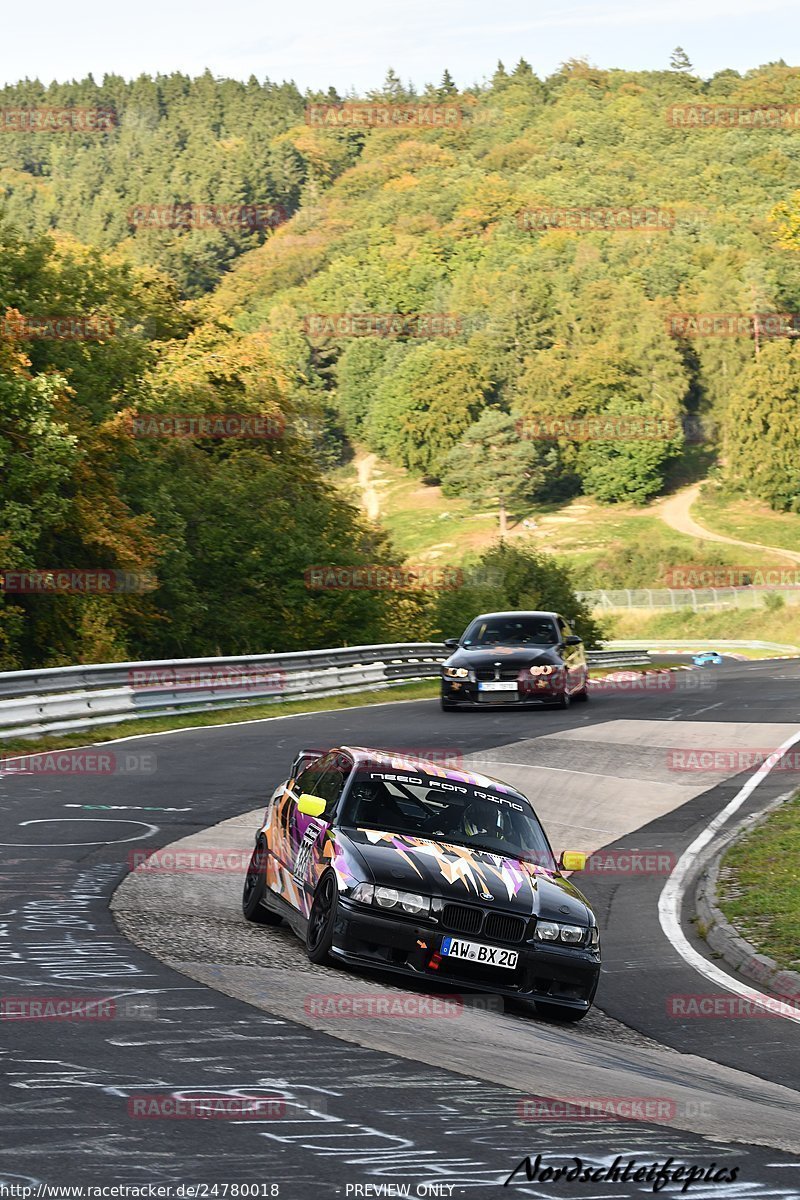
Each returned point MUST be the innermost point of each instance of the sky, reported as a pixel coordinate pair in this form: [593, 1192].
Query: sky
[319, 43]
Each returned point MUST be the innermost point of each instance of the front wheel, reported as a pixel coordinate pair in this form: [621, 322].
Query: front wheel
[564, 700]
[321, 920]
[447, 705]
[560, 1012]
[255, 885]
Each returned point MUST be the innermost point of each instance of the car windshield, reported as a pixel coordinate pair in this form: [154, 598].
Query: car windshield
[463, 814]
[511, 631]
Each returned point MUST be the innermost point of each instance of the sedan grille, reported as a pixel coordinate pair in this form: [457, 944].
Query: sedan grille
[485, 673]
[503, 927]
[461, 919]
[500, 927]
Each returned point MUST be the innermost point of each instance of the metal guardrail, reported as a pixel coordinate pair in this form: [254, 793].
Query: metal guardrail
[62, 699]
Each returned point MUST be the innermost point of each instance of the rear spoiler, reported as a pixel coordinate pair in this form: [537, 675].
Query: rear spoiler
[303, 759]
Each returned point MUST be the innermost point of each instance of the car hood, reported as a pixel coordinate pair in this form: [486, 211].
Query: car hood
[504, 656]
[462, 874]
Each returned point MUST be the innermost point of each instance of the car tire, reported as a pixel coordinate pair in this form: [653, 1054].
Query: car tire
[255, 886]
[564, 700]
[322, 919]
[447, 705]
[560, 1012]
[583, 694]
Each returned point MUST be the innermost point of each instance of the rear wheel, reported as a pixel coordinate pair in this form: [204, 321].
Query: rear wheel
[255, 885]
[583, 694]
[321, 920]
[560, 1012]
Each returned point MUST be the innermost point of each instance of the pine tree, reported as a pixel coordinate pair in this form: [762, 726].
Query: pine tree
[679, 61]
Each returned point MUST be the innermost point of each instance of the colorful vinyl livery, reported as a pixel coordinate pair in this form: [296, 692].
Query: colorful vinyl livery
[382, 860]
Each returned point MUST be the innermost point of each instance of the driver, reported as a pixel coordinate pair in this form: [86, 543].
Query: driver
[481, 818]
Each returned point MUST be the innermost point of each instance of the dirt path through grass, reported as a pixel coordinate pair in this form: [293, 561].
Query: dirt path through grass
[675, 512]
[369, 495]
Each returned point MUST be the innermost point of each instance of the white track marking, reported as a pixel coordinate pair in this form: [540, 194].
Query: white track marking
[708, 708]
[151, 830]
[669, 903]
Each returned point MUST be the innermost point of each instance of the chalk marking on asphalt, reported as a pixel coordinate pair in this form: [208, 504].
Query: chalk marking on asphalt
[151, 830]
[669, 902]
[708, 708]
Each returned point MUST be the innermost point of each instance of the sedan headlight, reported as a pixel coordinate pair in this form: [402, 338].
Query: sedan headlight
[568, 935]
[456, 672]
[392, 898]
[542, 670]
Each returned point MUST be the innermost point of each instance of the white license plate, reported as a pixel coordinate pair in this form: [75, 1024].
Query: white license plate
[490, 956]
[498, 685]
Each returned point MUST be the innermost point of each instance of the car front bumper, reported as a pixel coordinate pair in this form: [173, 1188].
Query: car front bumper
[557, 975]
[528, 691]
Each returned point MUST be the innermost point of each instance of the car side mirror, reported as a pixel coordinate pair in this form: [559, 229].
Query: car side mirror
[573, 640]
[311, 806]
[304, 758]
[451, 643]
[572, 860]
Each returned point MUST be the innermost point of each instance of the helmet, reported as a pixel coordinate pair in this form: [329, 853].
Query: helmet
[481, 818]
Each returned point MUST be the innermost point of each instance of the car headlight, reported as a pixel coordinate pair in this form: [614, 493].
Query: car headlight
[389, 897]
[569, 935]
[456, 672]
[363, 892]
[541, 670]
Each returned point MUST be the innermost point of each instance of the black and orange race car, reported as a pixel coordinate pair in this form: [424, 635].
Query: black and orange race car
[382, 860]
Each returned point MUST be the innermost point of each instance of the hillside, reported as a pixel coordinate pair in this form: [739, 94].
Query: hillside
[426, 294]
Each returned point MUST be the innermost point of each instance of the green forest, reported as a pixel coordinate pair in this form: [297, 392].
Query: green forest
[490, 322]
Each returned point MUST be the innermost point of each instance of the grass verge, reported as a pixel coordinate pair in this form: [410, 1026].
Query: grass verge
[749, 520]
[781, 625]
[759, 885]
[424, 690]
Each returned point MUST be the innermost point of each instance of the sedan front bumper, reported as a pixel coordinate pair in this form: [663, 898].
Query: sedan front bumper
[566, 976]
[527, 691]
